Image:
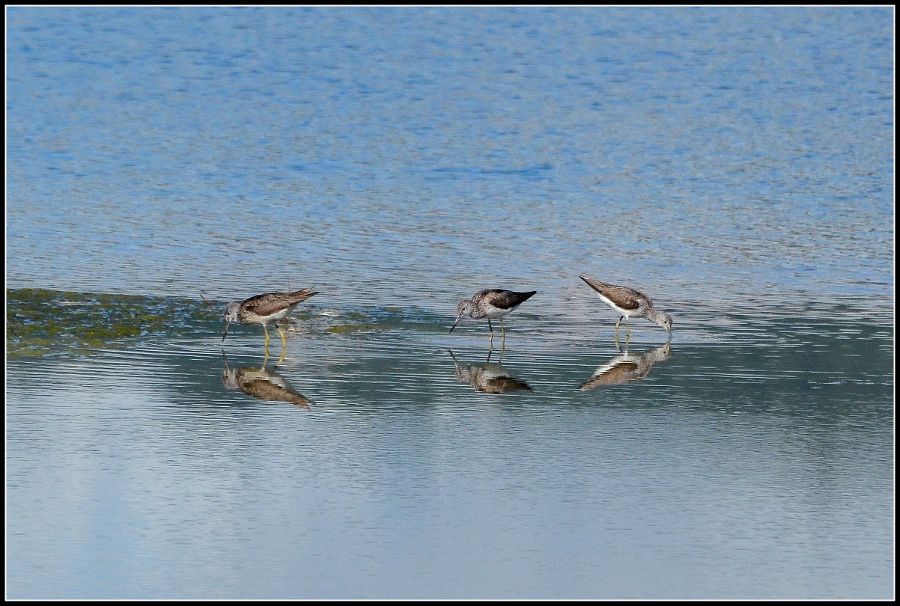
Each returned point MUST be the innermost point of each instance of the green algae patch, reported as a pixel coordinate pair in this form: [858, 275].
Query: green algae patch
[40, 322]
[355, 315]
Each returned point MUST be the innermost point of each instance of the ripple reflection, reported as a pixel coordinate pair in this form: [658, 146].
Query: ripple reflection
[627, 367]
[488, 377]
[261, 383]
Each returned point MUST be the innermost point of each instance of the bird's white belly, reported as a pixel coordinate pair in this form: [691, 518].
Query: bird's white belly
[494, 313]
[625, 312]
[256, 319]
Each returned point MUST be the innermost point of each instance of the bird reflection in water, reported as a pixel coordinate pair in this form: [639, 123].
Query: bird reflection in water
[627, 368]
[261, 383]
[488, 377]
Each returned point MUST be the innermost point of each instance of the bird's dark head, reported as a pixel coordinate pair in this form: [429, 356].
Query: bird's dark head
[231, 315]
[464, 308]
[667, 323]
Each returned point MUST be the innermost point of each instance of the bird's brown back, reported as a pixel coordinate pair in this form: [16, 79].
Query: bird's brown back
[624, 297]
[272, 302]
[504, 299]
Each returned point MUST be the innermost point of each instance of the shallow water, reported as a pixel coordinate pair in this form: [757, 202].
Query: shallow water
[400, 461]
[734, 164]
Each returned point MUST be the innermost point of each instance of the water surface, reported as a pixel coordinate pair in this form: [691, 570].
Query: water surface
[735, 164]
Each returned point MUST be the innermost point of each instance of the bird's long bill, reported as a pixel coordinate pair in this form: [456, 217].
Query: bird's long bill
[458, 318]
[225, 334]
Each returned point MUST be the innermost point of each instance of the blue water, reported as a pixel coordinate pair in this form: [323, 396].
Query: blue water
[735, 164]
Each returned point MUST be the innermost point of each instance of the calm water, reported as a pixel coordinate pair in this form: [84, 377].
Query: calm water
[735, 164]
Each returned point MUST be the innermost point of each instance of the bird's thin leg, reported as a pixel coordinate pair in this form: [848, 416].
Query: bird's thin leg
[492, 332]
[283, 344]
[281, 332]
[267, 337]
[617, 328]
[627, 331]
[503, 336]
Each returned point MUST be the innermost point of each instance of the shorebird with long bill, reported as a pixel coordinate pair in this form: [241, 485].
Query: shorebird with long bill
[491, 304]
[265, 309]
[629, 303]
